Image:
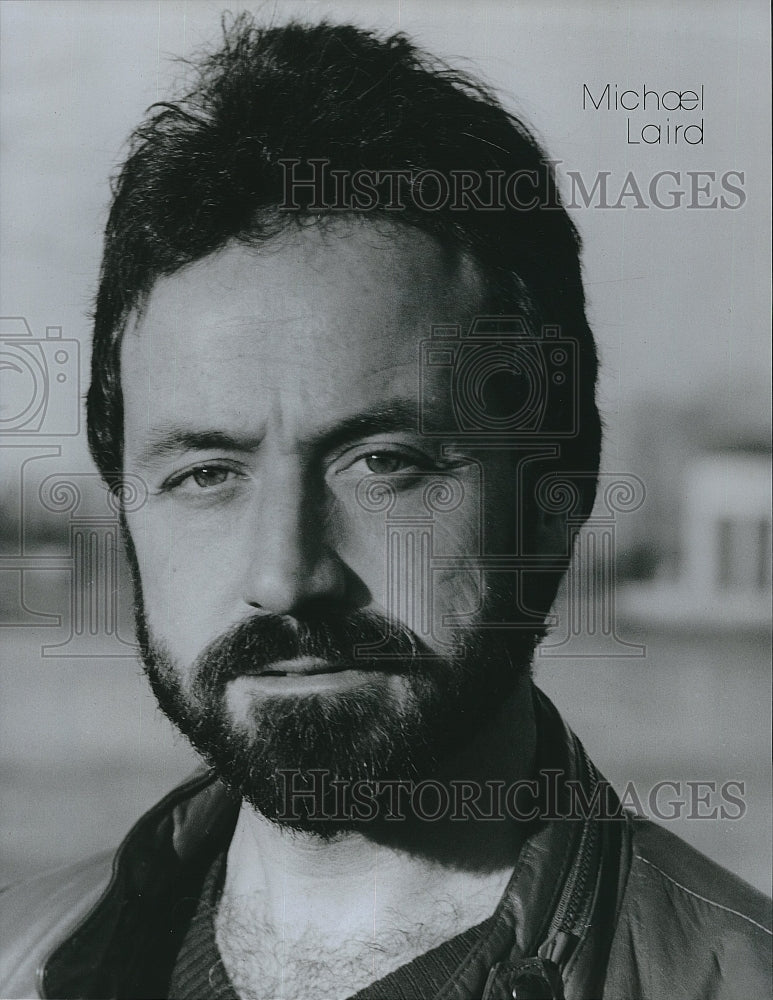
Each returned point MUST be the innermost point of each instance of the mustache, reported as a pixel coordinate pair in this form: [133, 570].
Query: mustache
[360, 640]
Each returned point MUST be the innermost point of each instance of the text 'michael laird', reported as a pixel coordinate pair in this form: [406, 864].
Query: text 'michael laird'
[613, 98]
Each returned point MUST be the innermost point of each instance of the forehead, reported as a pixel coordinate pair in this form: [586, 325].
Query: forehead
[326, 317]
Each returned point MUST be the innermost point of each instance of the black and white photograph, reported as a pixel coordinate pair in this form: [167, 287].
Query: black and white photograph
[385, 476]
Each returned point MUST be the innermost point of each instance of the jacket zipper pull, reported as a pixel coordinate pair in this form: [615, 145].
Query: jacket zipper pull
[527, 979]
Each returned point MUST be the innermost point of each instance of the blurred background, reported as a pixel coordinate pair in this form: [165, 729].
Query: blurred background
[660, 657]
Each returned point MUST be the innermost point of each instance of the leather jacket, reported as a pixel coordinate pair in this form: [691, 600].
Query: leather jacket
[597, 907]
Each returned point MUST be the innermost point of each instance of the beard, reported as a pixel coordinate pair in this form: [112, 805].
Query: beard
[309, 746]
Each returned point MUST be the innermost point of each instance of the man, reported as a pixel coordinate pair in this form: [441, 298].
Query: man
[340, 337]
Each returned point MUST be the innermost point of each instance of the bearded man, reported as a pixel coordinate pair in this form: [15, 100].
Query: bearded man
[340, 335]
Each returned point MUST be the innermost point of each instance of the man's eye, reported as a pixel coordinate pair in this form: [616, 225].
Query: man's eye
[207, 476]
[201, 477]
[384, 463]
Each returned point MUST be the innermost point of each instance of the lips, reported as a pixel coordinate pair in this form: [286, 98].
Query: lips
[302, 666]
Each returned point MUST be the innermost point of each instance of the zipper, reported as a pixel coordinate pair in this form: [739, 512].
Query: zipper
[573, 910]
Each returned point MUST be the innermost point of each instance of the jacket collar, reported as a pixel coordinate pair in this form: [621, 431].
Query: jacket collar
[567, 885]
[124, 945]
[550, 926]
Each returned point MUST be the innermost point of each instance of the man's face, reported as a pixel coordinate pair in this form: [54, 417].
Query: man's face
[271, 404]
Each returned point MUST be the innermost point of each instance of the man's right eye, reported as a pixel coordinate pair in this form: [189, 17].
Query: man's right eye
[205, 476]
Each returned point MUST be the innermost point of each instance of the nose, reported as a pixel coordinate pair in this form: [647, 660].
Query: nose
[292, 565]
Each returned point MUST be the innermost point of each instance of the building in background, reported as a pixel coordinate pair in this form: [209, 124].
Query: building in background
[700, 550]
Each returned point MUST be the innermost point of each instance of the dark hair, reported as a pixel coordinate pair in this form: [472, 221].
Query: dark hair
[207, 169]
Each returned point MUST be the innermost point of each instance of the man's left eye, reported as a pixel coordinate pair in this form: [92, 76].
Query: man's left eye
[384, 463]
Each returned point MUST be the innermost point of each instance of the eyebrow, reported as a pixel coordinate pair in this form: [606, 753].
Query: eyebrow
[175, 440]
[397, 415]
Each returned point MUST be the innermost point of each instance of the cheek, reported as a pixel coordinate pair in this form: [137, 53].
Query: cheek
[152, 554]
[187, 584]
[400, 557]
[358, 539]
[161, 554]
[458, 589]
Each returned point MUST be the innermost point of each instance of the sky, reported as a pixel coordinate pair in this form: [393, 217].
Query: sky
[679, 299]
